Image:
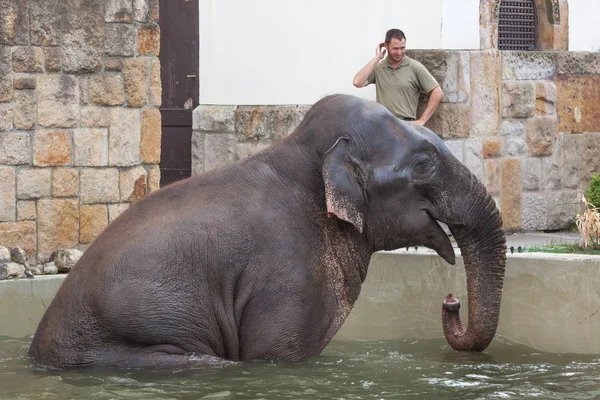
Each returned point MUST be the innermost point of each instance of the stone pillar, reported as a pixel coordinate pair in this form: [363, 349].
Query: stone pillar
[553, 25]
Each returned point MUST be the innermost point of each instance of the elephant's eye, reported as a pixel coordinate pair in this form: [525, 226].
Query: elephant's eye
[422, 165]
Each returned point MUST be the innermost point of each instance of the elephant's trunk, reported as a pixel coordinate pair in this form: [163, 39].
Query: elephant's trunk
[477, 228]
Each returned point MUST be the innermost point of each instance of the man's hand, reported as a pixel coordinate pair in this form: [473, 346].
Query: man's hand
[435, 97]
[380, 50]
[362, 76]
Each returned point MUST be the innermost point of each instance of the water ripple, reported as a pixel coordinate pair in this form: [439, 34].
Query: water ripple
[423, 369]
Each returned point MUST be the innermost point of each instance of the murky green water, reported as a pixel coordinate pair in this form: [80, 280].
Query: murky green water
[408, 369]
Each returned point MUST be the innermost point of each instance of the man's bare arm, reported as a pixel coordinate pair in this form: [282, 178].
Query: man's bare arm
[362, 76]
[435, 97]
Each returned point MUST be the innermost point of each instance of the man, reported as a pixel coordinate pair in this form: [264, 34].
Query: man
[399, 80]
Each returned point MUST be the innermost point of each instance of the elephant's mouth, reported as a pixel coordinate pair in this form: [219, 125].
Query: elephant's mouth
[436, 239]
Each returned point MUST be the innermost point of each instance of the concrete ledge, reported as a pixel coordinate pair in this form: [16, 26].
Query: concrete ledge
[550, 302]
[23, 303]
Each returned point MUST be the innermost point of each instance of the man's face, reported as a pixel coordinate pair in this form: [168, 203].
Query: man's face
[396, 50]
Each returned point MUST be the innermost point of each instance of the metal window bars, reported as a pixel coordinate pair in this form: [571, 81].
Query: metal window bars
[517, 25]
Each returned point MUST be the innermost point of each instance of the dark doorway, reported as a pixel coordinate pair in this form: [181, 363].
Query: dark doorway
[179, 59]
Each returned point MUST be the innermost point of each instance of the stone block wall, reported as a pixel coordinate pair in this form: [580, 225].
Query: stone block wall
[79, 120]
[528, 127]
[527, 124]
[225, 134]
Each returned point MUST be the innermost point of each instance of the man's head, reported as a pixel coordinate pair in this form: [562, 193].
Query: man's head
[394, 34]
[395, 44]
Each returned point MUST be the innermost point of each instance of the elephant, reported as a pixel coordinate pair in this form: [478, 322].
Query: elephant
[263, 259]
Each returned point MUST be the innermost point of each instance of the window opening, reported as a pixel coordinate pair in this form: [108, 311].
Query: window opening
[517, 25]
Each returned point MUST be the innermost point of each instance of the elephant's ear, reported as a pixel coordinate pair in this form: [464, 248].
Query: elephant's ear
[343, 185]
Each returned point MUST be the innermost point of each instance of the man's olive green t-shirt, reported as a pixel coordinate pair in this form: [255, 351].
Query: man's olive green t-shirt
[398, 89]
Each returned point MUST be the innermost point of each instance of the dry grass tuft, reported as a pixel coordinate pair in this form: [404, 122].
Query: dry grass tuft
[588, 224]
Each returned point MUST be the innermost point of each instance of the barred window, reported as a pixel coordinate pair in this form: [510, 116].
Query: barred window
[517, 25]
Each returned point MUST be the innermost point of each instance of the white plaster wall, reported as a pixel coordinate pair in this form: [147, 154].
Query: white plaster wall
[460, 24]
[584, 25]
[297, 51]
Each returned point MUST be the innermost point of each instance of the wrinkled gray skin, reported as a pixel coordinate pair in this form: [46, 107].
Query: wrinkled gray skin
[264, 259]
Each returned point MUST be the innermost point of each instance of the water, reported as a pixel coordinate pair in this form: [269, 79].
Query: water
[402, 369]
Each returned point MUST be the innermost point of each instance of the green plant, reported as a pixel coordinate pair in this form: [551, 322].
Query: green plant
[592, 193]
[572, 227]
[562, 248]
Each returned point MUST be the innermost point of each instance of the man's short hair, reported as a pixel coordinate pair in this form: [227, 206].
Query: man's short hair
[394, 34]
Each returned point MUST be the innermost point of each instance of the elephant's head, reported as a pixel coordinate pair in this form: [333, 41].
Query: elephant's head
[394, 181]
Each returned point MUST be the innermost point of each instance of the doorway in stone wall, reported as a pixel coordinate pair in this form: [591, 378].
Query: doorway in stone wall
[179, 59]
